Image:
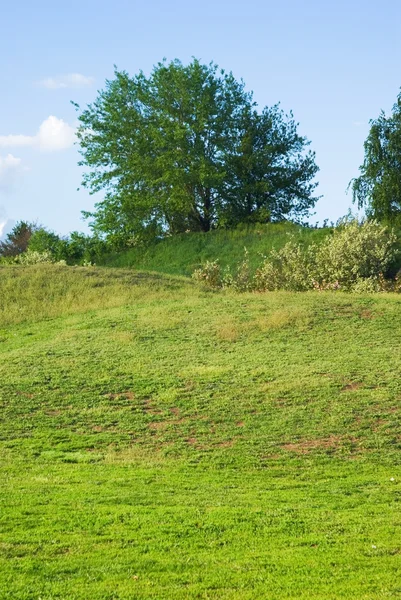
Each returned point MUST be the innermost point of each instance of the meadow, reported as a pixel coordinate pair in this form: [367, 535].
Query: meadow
[163, 441]
[181, 254]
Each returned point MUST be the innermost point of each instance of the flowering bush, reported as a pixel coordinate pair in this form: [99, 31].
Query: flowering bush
[354, 252]
[32, 257]
[210, 274]
[290, 268]
[355, 258]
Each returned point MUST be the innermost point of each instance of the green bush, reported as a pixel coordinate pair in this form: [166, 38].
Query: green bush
[354, 252]
[292, 267]
[356, 257]
[210, 274]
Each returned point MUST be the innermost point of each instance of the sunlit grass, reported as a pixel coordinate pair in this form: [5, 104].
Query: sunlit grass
[161, 441]
[182, 254]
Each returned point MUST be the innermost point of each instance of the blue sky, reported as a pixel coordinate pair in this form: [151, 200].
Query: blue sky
[335, 64]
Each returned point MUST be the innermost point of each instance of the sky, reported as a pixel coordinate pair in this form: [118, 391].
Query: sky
[334, 64]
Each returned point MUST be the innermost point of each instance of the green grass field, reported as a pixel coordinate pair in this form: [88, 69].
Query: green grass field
[161, 441]
[182, 254]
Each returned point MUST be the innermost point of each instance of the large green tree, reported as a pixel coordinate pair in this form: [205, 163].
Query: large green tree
[185, 149]
[378, 188]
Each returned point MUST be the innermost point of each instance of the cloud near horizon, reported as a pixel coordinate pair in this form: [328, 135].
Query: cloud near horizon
[6, 224]
[53, 134]
[72, 80]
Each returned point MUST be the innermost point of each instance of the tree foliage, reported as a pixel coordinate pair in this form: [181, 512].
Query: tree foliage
[17, 239]
[185, 149]
[378, 188]
[75, 248]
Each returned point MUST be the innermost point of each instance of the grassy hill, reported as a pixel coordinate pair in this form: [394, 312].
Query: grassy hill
[182, 254]
[159, 441]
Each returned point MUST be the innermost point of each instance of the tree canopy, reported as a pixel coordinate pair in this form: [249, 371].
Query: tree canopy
[378, 188]
[186, 149]
[17, 240]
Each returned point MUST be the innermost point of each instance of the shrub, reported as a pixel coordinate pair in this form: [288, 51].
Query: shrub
[369, 285]
[32, 257]
[43, 240]
[209, 274]
[354, 252]
[290, 268]
[242, 281]
[357, 257]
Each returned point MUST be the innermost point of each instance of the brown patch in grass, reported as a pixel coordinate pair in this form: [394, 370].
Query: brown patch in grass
[226, 444]
[117, 395]
[149, 408]
[352, 386]
[179, 421]
[97, 428]
[330, 443]
[273, 456]
[380, 423]
[53, 413]
[25, 394]
[240, 423]
[366, 314]
[158, 425]
[175, 410]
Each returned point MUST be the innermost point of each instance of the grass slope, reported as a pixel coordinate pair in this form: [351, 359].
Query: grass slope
[158, 441]
[182, 254]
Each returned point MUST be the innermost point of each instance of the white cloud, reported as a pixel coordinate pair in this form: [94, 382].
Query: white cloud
[6, 224]
[72, 80]
[53, 134]
[9, 167]
[15, 141]
[3, 220]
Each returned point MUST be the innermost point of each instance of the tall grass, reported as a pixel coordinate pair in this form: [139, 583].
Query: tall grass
[182, 254]
[39, 292]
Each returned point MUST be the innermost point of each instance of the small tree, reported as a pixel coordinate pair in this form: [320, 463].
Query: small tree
[17, 239]
[42, 240]
[378, 188]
